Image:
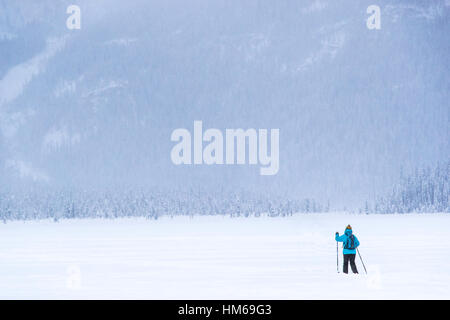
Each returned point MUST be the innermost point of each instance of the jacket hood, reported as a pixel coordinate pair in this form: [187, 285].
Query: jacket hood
[348, 231]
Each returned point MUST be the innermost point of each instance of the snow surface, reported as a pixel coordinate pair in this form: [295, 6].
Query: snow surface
[218, 257]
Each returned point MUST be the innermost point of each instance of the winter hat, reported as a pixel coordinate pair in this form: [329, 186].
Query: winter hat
[349, 227]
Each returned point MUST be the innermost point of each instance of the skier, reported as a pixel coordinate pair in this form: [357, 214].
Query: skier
[350, 243]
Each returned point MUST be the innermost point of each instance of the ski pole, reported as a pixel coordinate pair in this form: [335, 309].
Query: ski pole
[337, 257]
[361, 260]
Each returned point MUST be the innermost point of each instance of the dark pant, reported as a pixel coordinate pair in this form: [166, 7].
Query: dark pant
[351, 258]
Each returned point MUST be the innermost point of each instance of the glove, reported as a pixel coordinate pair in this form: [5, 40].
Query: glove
[337, 233]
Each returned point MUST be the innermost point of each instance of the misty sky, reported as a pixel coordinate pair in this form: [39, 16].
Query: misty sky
[95, 107]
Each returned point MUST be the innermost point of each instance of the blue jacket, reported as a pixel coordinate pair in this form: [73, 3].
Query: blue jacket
[344, 239]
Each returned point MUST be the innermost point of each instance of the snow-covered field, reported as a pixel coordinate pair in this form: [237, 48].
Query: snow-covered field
[407, 257]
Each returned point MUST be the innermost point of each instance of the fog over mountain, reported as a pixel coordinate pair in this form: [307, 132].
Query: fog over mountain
[95, 107]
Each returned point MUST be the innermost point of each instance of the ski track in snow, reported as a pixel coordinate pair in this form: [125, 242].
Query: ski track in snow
[217, 257]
